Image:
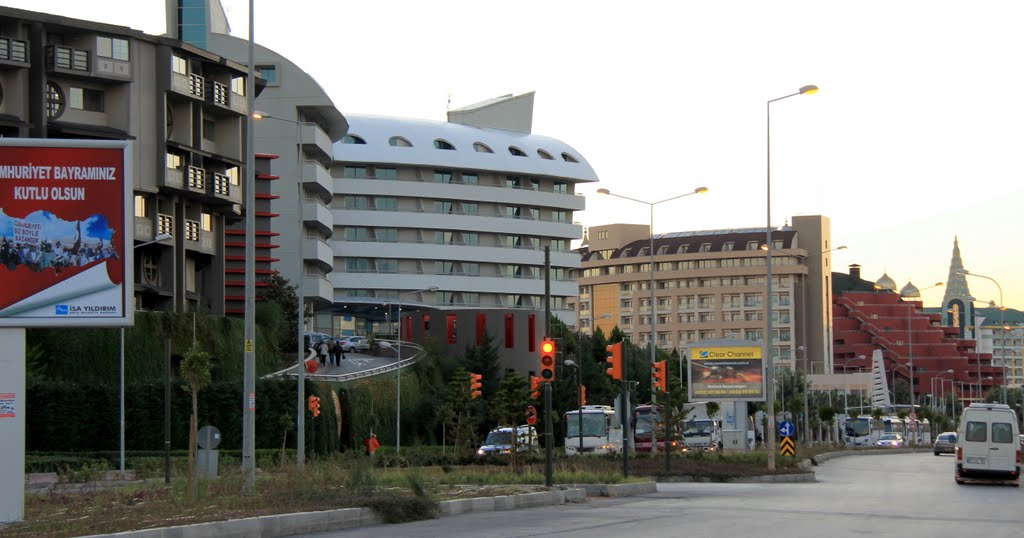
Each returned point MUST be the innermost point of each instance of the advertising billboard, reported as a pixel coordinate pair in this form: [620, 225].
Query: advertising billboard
[726, 372]
[64, 228]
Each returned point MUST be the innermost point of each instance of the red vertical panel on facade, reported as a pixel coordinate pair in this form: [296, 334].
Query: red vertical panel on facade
[481, 328]
[452, 336]
[510, 331]
[406, 329]
[533, 332]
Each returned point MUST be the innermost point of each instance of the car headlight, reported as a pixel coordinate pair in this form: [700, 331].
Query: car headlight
[480, 452]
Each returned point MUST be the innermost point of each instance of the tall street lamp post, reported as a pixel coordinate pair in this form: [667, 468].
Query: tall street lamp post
[803, 348]
[654, 312]
[158, 239]
[579, 397]
[938, 376]
[910, 353]
[1002, 328]
[398, 368]
[300, 420]
[770, 373]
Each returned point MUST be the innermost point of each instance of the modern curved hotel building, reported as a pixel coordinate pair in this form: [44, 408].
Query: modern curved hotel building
[467, 206]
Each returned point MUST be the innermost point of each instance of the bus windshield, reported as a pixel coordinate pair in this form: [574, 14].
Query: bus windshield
[697, 428]
[857, 427]
[594, 425]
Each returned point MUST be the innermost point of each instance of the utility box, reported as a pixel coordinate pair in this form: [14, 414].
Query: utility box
[734, 441]
[206, 457]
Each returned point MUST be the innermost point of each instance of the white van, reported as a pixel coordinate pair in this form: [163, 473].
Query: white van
[499, 441]
[987, 445]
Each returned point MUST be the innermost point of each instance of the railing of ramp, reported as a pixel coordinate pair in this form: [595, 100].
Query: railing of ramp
[416, 350]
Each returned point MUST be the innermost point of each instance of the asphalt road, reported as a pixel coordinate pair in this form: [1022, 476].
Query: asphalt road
[898, 495]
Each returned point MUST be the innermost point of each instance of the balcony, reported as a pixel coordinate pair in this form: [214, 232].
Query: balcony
[316, 287]
[174, 178]
[315, 140]
[196, 180]
[319, 250]
[13, 52]
[222, 189]
[317, 178]
[190, 85]
[316, 213]
[67, 60]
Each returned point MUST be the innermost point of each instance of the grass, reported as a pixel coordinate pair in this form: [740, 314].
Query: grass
[344, 481]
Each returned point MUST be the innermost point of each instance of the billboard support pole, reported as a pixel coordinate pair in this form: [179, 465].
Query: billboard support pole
[12, 425]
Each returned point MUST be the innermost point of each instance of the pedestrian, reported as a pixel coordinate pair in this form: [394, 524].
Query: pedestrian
[323, 352]
[337, 352]
[371, 444]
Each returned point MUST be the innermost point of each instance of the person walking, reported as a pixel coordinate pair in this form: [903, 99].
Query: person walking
[337, 352]
[324, 350]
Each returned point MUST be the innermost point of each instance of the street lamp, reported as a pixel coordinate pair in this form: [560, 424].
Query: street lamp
[300, 421]
[803, 348]
[579, 397]
[654, 312]
[398, 368]
[1002, 325]
[938, 376]
[770, 396]
[910, 351]
[158, 239]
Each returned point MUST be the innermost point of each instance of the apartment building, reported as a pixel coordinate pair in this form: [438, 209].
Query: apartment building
[467, 206]
[712, 284]
[182, 108]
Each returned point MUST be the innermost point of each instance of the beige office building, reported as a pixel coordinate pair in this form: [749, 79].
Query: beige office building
[711, 284]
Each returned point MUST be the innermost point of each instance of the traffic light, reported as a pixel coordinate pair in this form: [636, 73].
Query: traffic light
[314, 405]
[659, 379]
[615, 360]
[475, 385]
[534, 387]
[583, 395]
[547, 360]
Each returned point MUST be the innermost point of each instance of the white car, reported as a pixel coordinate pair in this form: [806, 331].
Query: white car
[356, 344]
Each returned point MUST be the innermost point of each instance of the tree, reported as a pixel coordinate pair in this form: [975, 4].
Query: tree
[195, 368]
[280, 291]
[509, 408]
[461, 421]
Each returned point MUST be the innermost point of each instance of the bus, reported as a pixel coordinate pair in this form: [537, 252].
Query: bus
[857, 431]
[600, 432]
[646, 420]
[700, 432]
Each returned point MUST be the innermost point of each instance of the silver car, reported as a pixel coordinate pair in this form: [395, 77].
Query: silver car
[357, 344]
[945, 443]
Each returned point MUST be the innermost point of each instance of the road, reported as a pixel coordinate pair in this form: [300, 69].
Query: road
[898, 495]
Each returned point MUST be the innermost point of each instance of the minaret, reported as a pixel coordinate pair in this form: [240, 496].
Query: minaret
[957, 301]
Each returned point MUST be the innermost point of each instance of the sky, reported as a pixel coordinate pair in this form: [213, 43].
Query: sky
[915, 137]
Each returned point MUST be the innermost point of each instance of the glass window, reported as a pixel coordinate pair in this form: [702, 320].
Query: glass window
[442, 176]
[386, 173]
[86, 99]
[209, 131]
[470, 208]
[470, 179]
[389, 203]
[238, 85]
[268, 73]
[470, 238]
[560, 187]
[352, 139]
[179, 65]
[977, 432]
[443, 144]
[399, 142]
[516, 151]
[481, 148]
[443, 206]
[1002, 432]
[111, 47]
[357, 202]
[174, 161]
[54, 100]
[560, 216]
[141, 207]
[206, 223]
[355, 172]
[535, 184]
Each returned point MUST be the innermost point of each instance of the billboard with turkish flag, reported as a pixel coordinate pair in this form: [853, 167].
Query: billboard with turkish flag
[64, 230]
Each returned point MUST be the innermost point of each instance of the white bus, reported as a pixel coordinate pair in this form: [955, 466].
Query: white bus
[600, 432]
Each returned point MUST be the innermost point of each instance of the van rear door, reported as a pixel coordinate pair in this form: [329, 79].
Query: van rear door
[1002, 448]
[974, 442]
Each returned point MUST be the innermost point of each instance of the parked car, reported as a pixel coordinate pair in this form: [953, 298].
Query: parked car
[356, 344]
[314, 339]
[890, 440]
[499, 441]
[945, 443]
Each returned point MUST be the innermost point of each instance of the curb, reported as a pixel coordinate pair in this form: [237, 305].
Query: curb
[618, 490]
[346, 518]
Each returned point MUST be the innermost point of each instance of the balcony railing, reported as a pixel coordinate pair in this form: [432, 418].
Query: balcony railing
[196, 179]
[221, 185]
[67, 59]
[195, 85]
[13, 50]
[219, 94]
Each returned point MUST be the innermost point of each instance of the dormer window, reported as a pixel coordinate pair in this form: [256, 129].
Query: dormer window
[443, 144]
[352, 139]
[481, 148]
[516, 151]
[399, 142]
[569, 158]
[545, 155]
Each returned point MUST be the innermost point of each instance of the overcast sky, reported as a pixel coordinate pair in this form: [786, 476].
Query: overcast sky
[915, 138]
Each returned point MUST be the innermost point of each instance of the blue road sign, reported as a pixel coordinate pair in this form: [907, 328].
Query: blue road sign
[786, 428]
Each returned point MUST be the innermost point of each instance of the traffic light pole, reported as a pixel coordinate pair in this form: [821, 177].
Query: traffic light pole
[668, 431]
[625, 424]
[549, 438]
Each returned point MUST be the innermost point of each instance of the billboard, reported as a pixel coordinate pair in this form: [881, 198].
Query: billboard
[64, 228]
[733, 371]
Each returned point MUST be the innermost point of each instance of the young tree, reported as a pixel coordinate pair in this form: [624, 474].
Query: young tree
[195, 368]
[510, 408]
[463, 422]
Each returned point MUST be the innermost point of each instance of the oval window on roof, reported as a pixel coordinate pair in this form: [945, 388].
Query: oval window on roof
[545, 155]
[352, 139]
[516, 151]
[399, 142]
[569, 158]
[481, 147]
[443, 144]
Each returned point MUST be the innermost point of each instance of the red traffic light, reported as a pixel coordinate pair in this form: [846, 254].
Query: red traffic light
[614, 360]
[547, 360]
[534, 387]
[475, 385]
[659, 377]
